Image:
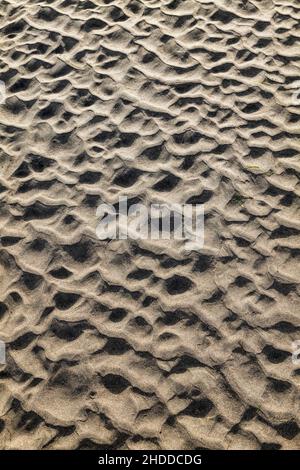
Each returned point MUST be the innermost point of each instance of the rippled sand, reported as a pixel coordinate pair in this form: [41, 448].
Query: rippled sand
[143, 344]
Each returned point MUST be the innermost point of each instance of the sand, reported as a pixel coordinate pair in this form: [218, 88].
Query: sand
[147, 344]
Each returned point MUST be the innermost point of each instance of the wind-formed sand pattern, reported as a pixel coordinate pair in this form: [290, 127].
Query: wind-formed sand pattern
[128, 344]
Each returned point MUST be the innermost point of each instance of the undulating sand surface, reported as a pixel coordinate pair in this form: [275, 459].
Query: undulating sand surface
[127, 344]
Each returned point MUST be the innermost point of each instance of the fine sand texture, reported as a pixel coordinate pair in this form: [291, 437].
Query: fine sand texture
[150, 344]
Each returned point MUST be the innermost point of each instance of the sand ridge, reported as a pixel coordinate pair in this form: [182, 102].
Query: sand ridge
[129, 344]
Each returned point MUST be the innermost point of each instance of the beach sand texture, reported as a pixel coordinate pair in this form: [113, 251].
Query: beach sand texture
[128, 344]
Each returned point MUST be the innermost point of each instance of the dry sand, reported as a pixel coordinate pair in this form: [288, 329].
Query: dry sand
[141, 344]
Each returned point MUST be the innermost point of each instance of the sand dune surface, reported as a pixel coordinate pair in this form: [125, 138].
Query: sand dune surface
[149, 344]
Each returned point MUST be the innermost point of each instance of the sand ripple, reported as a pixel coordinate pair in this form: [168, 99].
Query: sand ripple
[140, 345]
